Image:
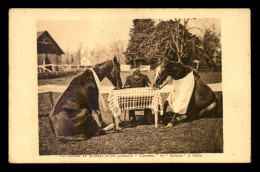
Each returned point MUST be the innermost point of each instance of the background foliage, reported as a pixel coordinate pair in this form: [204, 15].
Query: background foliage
[171, 40]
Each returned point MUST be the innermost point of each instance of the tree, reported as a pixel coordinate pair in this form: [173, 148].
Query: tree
[211, 49]
[170, 40]
[140, 32]
[211, 44]
[85, 52]
[99, 54]
[116, 49]
[77, 56]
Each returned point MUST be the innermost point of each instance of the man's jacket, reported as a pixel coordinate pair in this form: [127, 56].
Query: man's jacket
[133, 82]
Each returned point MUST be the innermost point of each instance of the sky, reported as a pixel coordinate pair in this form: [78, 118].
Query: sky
[93, 33]
[69, 34]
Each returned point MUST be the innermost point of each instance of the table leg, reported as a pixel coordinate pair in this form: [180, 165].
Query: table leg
[156, 119]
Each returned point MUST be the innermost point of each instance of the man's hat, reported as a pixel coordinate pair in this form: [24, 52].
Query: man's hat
[135, 66]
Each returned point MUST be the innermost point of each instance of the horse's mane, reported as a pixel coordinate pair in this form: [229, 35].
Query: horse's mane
[173, 64]
[181, 69]
[95, 66]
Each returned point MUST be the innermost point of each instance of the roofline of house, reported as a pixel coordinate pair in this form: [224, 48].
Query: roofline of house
[59, 49]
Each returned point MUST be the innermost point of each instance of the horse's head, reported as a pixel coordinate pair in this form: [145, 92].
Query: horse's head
[160, 76]
[170, 68]
[114, 75]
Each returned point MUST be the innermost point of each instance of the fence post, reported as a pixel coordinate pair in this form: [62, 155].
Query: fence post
[52, 68]
[43, 66]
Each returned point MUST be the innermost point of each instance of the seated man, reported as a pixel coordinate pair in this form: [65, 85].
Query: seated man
[138, 80]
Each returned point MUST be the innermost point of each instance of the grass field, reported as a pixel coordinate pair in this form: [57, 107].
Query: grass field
[200, 136]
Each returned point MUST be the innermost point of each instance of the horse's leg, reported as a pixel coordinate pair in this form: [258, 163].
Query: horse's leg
[173, 120]
[113, 125]
[209, 108]
[94, 105]
[117, 121]
[98, 118]
[109, 127]
[181, 117]
[165, 105]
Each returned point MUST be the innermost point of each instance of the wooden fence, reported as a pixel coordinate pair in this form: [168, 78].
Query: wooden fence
[145, 68]
[125, 68]
[66, 67]
[52, 67]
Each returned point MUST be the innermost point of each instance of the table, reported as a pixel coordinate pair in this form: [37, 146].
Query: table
[135, 99]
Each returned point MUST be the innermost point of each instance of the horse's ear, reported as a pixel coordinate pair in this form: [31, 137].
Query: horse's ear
[115, 60]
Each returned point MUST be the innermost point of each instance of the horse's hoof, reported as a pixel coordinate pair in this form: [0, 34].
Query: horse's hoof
[100, 132]
[182, 117]
[169, 125]
[109, 127]
[118, 128]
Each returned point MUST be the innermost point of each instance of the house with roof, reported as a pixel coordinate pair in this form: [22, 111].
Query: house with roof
[48, 51]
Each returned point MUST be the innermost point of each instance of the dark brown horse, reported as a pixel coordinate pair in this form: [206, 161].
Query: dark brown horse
[76, 115]
[203, 100]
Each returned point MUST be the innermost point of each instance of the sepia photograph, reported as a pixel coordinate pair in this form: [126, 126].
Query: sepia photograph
[132, 67]
[129, 87]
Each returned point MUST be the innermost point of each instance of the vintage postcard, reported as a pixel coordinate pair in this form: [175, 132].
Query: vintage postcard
[129, 86]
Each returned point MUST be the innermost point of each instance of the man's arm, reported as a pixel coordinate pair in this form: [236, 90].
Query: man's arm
[148, 83]
[127, 83]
